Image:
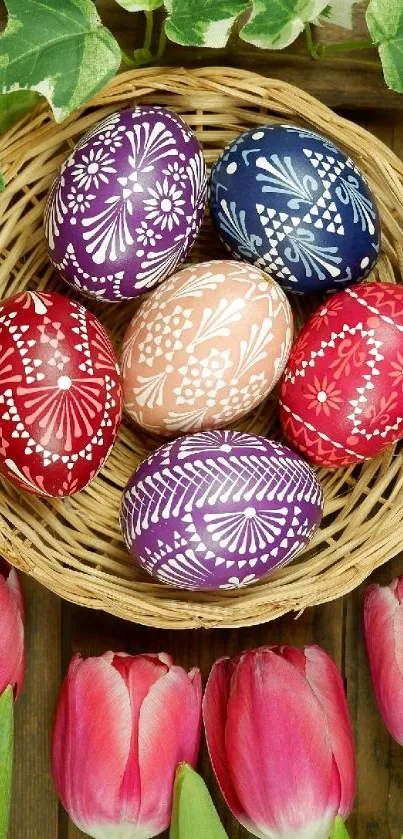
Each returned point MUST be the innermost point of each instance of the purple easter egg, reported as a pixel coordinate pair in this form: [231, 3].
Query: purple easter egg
[127, 205]
[219, 510]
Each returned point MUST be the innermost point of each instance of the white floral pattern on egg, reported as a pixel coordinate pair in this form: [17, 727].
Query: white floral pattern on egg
[127, 205]
[205, 348]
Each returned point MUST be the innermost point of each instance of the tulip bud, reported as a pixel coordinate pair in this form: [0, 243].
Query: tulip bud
[383, 629]
[12, 653]
[279, 737]
[122, 726]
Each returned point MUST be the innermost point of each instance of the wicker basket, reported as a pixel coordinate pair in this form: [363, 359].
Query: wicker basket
[74, 546]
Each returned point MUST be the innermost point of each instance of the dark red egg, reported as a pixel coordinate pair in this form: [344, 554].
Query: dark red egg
[342, 390]
[60, 393]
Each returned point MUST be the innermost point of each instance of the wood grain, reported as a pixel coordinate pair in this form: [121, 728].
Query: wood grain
[35, 812]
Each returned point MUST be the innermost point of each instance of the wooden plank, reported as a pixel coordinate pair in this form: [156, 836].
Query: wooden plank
[379, 806]
[92, 633]
[35, 807]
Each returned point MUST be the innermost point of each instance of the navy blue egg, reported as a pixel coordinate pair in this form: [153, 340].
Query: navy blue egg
[294, 204]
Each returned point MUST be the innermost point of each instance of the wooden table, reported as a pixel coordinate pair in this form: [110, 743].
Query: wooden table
[55, 630]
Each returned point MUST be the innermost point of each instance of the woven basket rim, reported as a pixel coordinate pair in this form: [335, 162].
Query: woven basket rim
[364, 505]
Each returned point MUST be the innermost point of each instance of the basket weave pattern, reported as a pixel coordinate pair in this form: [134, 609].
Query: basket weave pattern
[74, 546]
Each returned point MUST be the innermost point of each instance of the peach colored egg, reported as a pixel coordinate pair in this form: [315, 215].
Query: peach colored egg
[205, 348]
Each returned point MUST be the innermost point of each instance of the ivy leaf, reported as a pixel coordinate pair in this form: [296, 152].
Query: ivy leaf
[275, 24]
[140, 5]
[385, 24]
[202, 24]
[14, 106]
[58, 49]
[6, 756]
[193, 814]
[339, 13]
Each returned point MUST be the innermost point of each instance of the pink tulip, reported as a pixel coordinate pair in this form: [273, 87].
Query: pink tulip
[279, 737]
[12, 653]
[383, 628]
[122, 726]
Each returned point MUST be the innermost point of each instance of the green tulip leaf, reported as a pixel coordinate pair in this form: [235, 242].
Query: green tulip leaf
[6, 757]
[14, 106]
[275, 24]
[385, 24]
[58, 49]
[140, 5]
[207, 23]
[339, 830]
[193, 815]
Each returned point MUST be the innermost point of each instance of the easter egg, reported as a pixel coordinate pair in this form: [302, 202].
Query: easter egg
[293, 203]
[127, 205]
[60, 393]
[205, 348]
[342, 390]
[219, 510]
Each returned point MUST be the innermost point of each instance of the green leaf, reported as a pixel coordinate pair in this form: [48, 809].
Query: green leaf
[58, 48]
[385, 24]
[142, 57]
[207, 23]
[339, 13]
[275, 24]
[14, 106]
[193, 815]
[2, 183]
[6, 757]
[339, 830]
[140, 5]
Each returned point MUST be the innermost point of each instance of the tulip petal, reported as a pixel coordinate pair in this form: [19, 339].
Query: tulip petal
[91, 742]
[327, 685]
[279, 758]
[169, 734]
[215, 716]
[383, 627]
[140, 673]
[14, 585]
[12, 653]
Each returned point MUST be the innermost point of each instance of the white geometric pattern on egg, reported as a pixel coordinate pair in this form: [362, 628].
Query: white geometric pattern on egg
[205, 348]
[219, 510]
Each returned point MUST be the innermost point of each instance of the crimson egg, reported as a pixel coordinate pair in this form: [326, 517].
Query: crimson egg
[342, 390]
[60, 393]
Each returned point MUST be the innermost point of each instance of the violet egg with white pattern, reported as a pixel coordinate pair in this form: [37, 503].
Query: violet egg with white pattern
[60, 393]
[205, 348]
[293, 203]
[219, 510]
[127, 205]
